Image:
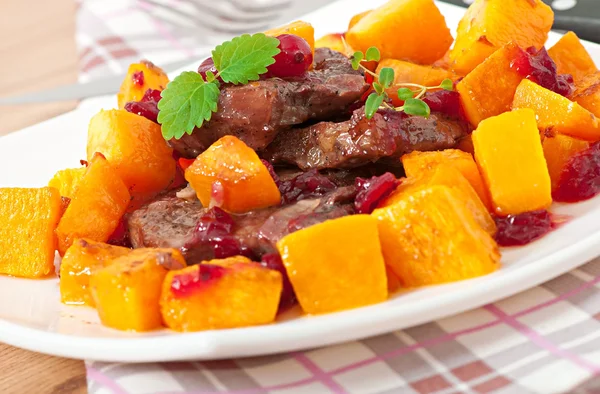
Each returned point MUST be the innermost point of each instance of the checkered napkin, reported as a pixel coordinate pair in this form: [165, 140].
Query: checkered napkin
[545, 340]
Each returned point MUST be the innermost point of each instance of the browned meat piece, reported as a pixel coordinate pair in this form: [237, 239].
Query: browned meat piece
[170, 222]
[256, 112]
[359, 141]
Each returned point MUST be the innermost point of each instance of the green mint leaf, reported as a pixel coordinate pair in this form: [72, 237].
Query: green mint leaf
[386, 77]
[416, 107]
[447, 84]
[357, 57]
[245, 57]
[372, 104]
[187, 102]
[405, 94]
[372, 54]
[378, 87]
[210, 76]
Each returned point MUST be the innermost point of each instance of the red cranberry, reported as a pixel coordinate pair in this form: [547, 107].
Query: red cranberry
[271, 171]
[446, 102]
[288, 297]
[186, 283]
[294, 59]
[516, 230]
[208, 65]
[372, 191]
[539, 67]
[147, 106]
[306, 185]
[580, 178]
[138, 78]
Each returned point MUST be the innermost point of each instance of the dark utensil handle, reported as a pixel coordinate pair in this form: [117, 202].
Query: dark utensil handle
[585, 28]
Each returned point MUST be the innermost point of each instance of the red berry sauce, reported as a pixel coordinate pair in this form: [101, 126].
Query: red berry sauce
[446, 102]
[138, 78]
[374, 190]
[306, 185]
[183, 285]
[580, 178]
[288, 297]
[517, 230]
[147, 106]
[539, 67]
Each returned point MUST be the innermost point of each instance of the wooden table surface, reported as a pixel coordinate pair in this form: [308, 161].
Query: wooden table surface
[37, 51]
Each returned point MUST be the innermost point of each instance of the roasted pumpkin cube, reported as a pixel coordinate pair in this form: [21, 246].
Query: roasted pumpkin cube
[571, 57]
[444, 62]
[407, 72]
[141, 77]
[127, 290]
[417, 162]
[489, 89]
[508, 150]
[97, 206]
[298, 28]
[335, 265]
[356, 18]
[490, 24]
[27, 240]
[558, 149]
[67, 180]
[79, 262]
[136, 148]
[429, 236]
[397, 29]
[229, 293]
[231, 174]
[335, 42]
[393, 282]
[587, 93]
[556, 113]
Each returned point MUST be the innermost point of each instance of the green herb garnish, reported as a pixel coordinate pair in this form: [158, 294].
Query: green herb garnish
[188, 101]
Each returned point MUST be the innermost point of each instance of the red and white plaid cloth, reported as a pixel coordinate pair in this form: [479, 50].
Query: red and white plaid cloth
[545, 340]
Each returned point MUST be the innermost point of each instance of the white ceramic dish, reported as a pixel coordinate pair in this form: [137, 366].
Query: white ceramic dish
[32, 317]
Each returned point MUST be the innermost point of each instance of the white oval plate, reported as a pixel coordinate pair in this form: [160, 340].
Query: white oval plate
[32, 317]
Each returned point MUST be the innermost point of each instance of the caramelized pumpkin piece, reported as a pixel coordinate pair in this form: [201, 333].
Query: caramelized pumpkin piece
[97, 206]
[336, 265]
[127, 291]
[429, 236]
[27, 240]
[571, 57]
[417, 162]
[558, 150]
[356, 18]
[398, 28]
[298, 28]
[446, 175]
[556, 113]
[490, 24]
[489, 89]
[231, 175]
[229, 293]
[333, 41]
[67, 180]
[509, 153]
[587, 93]
[408, 72]
[141, 77]
[136, 148]
[82, 259]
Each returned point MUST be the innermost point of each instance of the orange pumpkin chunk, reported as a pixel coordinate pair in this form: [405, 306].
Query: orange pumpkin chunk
[127, 291]
[333, 41]
[27, 240]
[82, 259]
[234, 172]
[229, 293]
[489, 89]
[134, 85]
[356, 18]
[408, 72]
[587, 93]
[97, 206]
[490, 24]
[397, 29]
[298, 28]
[136, 148]
[509, 153]
[429, 236]
[556, 112]
[66, 181]
[417, 162]
[557, 151]
[571, 57]
[335, 265]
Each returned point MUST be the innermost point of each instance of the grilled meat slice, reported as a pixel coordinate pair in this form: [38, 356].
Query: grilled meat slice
[256, 112]
[358, 141]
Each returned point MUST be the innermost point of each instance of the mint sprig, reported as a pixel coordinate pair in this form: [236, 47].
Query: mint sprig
[188, 101]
